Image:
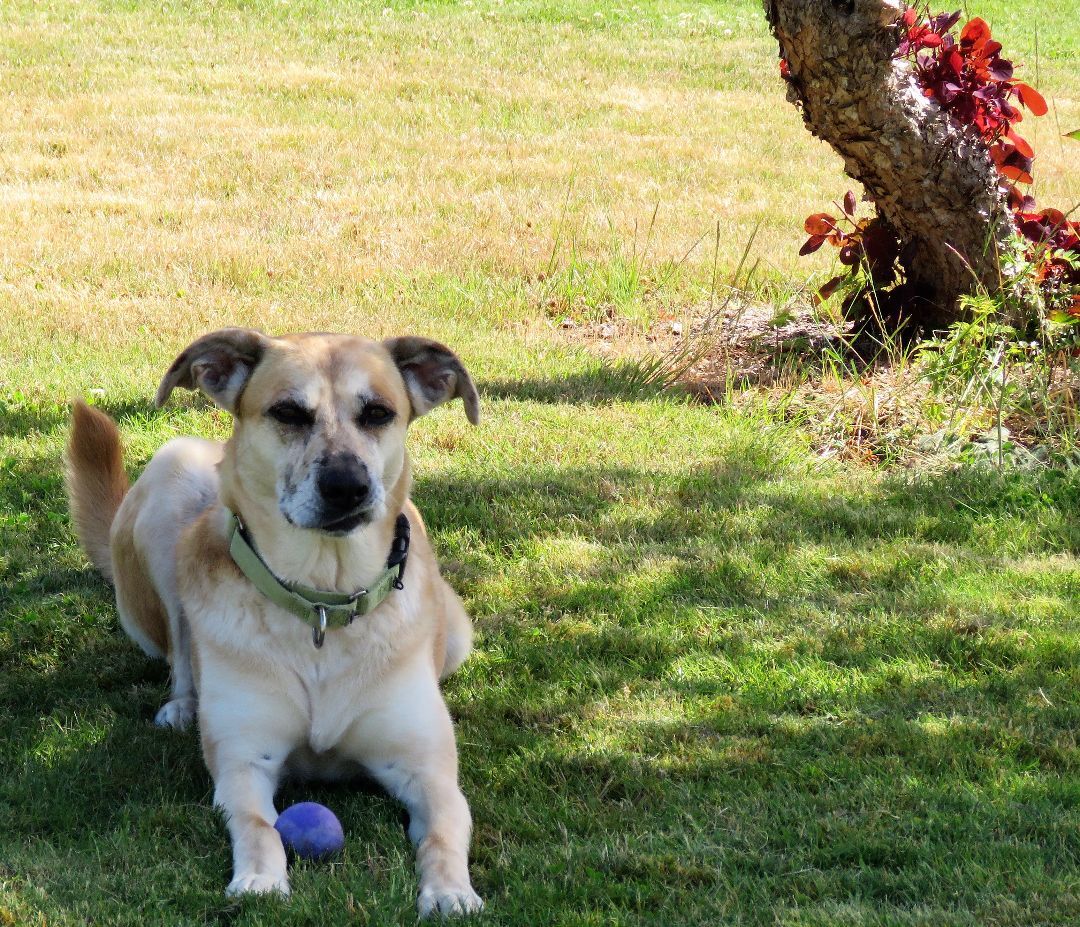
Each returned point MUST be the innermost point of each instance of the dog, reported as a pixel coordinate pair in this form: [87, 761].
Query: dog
[271, 572]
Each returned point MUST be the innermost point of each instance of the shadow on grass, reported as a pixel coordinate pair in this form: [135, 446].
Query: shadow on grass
[947, 791]
[20, 420]
[601, 383]
[603, 503]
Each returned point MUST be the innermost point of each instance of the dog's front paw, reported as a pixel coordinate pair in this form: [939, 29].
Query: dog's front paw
[257, 883]
[177, 714]
[447, 900]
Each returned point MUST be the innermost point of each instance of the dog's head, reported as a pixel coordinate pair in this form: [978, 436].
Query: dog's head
[320, 419]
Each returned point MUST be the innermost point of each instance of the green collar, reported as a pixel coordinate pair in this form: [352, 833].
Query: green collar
[317, 607]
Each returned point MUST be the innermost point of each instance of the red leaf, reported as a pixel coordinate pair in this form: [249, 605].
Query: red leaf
[849, 203]
[1020, 203]
[1021, 145]
[812, 244]
[1015, 173]
[1032, 99]
[976, 32]
[829, 288]
[819, 224]
[1055, 218]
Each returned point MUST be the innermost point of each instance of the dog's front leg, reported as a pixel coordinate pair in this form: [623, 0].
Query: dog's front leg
[245, 755]
[413, 755]
[439, 825]
[244, 790]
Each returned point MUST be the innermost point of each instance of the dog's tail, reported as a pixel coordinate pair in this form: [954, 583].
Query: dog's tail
[96, 481]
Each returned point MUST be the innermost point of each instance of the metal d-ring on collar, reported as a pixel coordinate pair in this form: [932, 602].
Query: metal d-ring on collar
[318, 633]
[317, 607]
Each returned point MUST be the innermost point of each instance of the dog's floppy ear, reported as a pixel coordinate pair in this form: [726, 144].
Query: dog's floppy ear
[433, 375]
[219, 364]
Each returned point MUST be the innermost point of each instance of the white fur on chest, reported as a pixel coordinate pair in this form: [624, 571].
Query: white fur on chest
[257, 651]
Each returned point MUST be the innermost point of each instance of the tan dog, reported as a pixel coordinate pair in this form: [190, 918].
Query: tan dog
[317, 472]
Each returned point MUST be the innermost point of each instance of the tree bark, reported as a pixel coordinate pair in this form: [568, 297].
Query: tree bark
[930, 180]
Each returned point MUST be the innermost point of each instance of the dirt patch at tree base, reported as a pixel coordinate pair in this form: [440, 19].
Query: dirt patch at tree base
[859, 402]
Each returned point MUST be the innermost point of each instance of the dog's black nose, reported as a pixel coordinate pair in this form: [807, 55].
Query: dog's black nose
[344, 483]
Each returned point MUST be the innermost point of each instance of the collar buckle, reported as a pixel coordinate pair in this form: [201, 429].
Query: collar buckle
[354, 600]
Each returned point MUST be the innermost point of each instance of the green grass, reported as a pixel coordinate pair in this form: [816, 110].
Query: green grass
[717, 681]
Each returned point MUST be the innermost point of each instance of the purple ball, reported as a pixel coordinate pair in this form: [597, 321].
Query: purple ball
[310, 830]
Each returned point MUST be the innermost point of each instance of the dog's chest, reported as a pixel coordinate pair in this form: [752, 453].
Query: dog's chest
[335, 695]
[260, 652]
[341, 680]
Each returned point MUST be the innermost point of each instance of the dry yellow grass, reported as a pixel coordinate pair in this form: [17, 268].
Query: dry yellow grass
[165, 168]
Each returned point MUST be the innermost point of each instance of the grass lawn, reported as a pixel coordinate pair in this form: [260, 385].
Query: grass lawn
[717, 680]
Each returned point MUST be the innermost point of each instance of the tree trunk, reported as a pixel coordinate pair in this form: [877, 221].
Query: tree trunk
[930, 180]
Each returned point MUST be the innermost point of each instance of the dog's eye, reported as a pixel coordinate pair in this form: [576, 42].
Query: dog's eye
[292, 414]
[374, 416]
